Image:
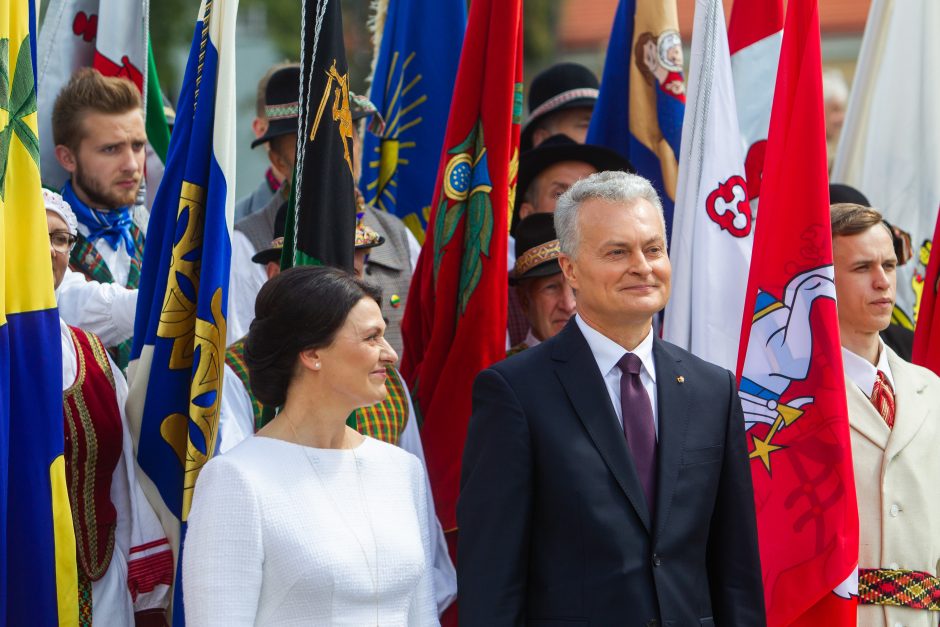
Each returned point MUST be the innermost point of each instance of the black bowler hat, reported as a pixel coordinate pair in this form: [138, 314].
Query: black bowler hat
[556, 149]
[281, 104]
[273, 252]
[562, 86]
[901, 239]
[537, 248]
[839, 192]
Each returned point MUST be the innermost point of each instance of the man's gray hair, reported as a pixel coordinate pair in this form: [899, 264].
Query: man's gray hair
[612, 186]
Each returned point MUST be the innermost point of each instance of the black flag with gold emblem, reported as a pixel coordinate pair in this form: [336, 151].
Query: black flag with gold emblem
[321, 221]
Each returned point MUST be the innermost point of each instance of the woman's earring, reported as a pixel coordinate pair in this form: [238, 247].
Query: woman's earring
[317, 365]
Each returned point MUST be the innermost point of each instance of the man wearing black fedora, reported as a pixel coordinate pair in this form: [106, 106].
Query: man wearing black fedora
[561, 100]
[254, 232]
[545, 173]
[548, 170]
[274, 175]
[544, 295]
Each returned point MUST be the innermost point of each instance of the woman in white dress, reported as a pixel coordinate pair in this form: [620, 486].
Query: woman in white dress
[309, 522]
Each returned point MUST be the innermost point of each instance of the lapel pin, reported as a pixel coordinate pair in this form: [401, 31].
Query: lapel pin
[680, 379]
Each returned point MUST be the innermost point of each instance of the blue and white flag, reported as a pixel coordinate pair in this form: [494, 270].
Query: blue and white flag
[712, 228]
[179, 336]
[642, 99]
[411, 87]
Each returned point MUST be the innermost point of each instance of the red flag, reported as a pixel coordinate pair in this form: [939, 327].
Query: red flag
[927, 330]
[790, 366]
[455, 323]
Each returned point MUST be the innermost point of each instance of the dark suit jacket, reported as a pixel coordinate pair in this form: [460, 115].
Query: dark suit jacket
[554, 528]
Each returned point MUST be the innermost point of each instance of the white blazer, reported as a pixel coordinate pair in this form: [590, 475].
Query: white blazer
[897, 480]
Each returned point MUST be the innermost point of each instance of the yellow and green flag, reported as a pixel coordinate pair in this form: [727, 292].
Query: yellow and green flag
[38, 573]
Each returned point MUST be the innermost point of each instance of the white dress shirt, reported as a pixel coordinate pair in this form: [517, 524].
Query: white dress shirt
[608, 352]
[862, 373]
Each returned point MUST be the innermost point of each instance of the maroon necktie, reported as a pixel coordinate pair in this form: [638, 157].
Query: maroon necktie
[883, 399]
[638, 425]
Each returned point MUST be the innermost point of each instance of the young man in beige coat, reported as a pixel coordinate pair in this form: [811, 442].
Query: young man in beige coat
[894, 416]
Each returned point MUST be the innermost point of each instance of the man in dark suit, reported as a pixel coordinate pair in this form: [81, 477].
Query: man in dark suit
[605, 477]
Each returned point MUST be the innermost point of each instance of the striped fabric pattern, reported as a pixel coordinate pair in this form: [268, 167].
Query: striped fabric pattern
[386, 420]
[235, 358]
[882, 397]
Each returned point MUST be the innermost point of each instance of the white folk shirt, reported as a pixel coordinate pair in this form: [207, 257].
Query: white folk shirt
[138, 534]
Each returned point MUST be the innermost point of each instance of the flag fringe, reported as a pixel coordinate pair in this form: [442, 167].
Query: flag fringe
[378, 12]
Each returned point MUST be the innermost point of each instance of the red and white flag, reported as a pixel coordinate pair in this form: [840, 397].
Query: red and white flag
[712, 227]
[754, 35]
[792, 387]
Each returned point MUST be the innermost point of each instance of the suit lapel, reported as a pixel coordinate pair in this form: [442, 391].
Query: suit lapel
[578, 373]
[863, 417]
[910, 410]
[673, 409]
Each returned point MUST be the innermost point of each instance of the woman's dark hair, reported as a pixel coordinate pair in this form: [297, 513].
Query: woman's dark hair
[300, 308]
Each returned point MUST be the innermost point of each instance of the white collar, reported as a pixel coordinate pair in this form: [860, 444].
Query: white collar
[862, 373]
[608, 352]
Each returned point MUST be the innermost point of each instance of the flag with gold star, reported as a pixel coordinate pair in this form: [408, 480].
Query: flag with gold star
[791, 386]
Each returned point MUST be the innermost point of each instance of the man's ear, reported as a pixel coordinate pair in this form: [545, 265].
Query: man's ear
[525, 210]
[259, 126]
[567, 268]
[66, 158]
[539, 135]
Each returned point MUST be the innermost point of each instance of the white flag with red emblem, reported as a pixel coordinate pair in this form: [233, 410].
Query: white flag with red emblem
[712, 227]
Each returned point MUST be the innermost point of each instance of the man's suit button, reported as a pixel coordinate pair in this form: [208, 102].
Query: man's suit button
[656, 560]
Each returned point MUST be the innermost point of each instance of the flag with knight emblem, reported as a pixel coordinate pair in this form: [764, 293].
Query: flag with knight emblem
[412, 84]
[790, 373]
[179, 334]
[38, 567]
[455, 323]
[641, 103]
[321, 218]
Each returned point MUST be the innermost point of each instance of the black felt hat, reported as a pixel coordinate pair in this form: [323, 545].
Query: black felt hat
[281, 105]
[839, 192]
[273, 252]
[556, 149]
[536, 248]
[562, 86]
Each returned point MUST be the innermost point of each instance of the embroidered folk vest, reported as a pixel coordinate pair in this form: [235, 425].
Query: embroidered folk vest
[93, 445]
[386, 420]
